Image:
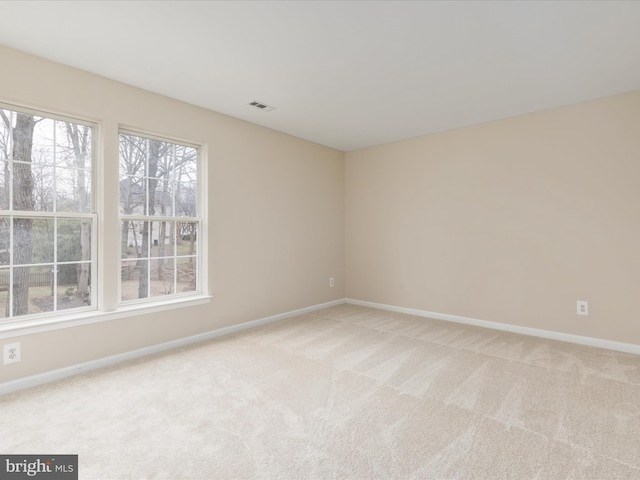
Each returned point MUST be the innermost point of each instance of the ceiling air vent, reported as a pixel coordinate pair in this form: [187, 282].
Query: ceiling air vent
[261, 106]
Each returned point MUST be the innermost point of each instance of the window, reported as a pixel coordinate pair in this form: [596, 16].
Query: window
[160, 218]
[47, 224]
[49, 233]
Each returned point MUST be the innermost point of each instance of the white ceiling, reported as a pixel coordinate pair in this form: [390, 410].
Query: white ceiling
[347, 74]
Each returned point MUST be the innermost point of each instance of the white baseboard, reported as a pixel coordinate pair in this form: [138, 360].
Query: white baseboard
[53, 375]
[535, 332]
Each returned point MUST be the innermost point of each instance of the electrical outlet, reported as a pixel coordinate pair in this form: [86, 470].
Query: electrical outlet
[12, 353]
[583, 308]
[332, 282]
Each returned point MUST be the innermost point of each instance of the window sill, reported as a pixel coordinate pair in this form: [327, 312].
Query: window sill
[39, 325]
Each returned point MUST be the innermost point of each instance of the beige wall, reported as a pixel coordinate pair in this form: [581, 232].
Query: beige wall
[276, 213]
[511, 221]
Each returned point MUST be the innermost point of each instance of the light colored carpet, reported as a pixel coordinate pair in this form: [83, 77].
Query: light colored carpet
[346, 392]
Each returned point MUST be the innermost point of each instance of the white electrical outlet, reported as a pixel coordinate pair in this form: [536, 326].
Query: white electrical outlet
[583, 308]
[12, 353]
[332, 282]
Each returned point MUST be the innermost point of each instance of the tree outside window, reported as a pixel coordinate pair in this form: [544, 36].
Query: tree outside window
[46, 219]
[159, 218]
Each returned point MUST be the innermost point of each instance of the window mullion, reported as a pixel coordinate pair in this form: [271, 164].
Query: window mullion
[55, 166]
[174, 181]
[175, 272]
[54, 267]
[11, 166]
[11, 260]
[149, 243]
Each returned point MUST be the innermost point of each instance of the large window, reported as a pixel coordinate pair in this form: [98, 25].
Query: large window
[46, 214]
[160, 218]
[49, 232]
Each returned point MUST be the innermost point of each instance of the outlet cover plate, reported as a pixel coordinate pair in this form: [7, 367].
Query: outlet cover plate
[582, 308]
[11, 353]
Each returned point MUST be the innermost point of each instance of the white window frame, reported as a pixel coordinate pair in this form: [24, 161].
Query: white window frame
[12, 321]
[105, 305]
[199, 290]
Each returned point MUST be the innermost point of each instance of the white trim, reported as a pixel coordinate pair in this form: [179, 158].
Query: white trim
[48, 214]
[53, 375]
[158, 218]
[202, 199]
[534, 332]
[22, 327]
[46, 113]
[138, 132]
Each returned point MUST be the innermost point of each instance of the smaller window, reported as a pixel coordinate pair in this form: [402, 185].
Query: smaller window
[159, 217]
